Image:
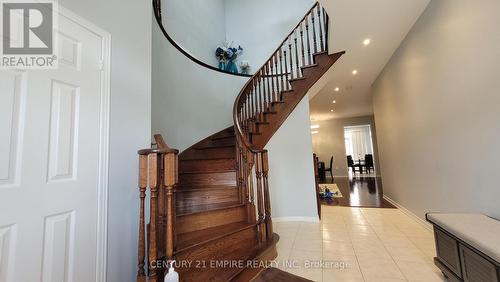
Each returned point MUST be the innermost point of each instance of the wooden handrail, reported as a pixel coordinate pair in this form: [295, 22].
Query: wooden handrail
[160, 142]
[265, 89]
[157, 151]
[277, 55]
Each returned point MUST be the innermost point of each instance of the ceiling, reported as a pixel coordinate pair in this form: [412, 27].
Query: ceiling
[385, 23]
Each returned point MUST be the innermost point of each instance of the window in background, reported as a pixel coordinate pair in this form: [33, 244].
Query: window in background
[358, 141]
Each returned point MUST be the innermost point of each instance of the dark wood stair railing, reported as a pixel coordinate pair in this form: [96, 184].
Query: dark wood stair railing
[158, 172]
[212, 201]
[270, 96]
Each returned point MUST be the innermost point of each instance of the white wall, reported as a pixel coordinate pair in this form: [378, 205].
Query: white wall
[189, 102]
[291, 168]
[129, 22]
[260, 26]
[436, 110]
[197, 25]
[330, 142]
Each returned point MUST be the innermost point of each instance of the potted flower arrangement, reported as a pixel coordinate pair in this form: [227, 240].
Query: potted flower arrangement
[245, 67]
[227, 55]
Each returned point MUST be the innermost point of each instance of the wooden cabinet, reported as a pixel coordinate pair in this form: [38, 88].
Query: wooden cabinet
[448, 251]
[476, 267]
[461, 262]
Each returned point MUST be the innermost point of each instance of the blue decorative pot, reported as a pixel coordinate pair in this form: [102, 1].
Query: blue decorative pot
[222, 66]
[231, 67]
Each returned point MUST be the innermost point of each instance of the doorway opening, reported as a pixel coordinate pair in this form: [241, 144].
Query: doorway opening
[359, 150]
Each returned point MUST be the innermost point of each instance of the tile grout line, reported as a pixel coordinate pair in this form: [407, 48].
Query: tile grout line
[355, 253]
[392, 258]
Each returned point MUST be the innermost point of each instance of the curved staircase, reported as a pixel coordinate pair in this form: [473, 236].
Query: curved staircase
[209, 207]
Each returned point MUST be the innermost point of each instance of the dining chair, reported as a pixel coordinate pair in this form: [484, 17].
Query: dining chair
[350, 163]
[330, 169]
[369, 166]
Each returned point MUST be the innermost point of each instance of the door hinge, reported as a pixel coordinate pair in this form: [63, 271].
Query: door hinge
[101, 65]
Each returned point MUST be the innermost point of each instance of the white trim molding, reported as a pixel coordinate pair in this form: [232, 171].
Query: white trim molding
[421, 221]
[104, 116]
[296, 218]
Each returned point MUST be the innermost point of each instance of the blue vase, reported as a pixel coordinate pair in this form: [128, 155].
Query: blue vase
[231, 67]
[222, 66]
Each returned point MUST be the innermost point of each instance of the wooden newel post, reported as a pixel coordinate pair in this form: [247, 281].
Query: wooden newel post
[170, 180]
[260, 198]
[153, 215]
[143, 182]
[267, 199]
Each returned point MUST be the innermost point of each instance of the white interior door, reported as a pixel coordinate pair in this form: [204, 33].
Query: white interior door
[50, 127]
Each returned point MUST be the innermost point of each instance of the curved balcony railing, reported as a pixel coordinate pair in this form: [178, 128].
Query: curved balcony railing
[158, 16]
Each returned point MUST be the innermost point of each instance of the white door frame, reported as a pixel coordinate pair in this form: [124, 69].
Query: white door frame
[104, 115]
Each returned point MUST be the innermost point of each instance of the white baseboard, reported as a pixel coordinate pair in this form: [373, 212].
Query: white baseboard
[421, 221]
[296, 218]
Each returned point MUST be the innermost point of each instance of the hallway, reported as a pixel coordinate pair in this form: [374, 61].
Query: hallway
[359, 191]
[358, 244]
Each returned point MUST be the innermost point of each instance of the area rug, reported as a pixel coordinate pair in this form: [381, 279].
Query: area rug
[333, 188]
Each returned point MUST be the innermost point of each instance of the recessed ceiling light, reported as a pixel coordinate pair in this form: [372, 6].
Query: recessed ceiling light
[316, 126]
[335, 102]
[337, 89]
[331, 111]
[355, 72]
[314, 132]
[367, 42]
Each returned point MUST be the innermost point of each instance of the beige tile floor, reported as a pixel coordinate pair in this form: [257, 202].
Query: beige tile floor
[358, 244]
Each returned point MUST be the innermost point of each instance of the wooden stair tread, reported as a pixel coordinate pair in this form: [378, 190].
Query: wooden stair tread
[260, 122]
[277, 275]
[297, 79]
[209, 172]
[204, 187]
[200, 237]
[223, 137]
[270, 112]
[187, 210]
[214, 146]
[321, 53]
[258, 252]
[309, 66]
[278, 102]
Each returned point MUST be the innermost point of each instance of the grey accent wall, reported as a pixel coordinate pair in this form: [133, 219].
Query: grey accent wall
[330, 142]
[436, 109]
[129, 22]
